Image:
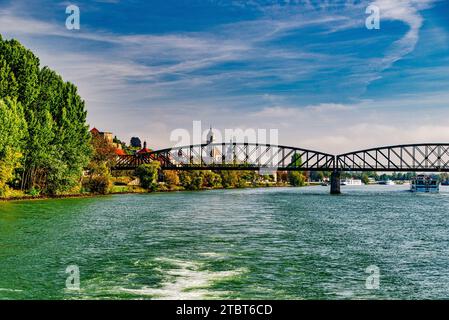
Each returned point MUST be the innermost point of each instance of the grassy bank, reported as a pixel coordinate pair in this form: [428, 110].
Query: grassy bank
[20, 195]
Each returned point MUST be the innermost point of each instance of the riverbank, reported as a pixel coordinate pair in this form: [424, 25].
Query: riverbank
[117, 190]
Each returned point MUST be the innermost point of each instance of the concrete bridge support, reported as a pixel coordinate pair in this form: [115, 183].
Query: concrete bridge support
[335, 182]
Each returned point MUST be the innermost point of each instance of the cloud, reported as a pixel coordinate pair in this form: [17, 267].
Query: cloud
[289, 68]
[408, 12]
[338, 128]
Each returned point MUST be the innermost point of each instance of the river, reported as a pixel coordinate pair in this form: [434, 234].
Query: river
[273, 243]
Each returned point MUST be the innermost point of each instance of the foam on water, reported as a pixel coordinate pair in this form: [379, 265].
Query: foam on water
[212, 254]
[10, 290]
[186, 281]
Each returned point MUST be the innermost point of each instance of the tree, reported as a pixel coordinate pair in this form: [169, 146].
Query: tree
[135, 142]
[100, 180]
[365, 179]
[248, 176]
[296, 179]
[282, 176]
[296, 160]
[171, 178]
[197, 181]
[8, 83]
[12, 134]
[229, 179]
[148, 174]
[57, 143]
[102, 151]
[25, 67]
[185, 179]
[102, 158]
[191, 180]
[211, 180]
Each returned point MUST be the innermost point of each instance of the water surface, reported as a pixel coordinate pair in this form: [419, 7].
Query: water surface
[275, 243]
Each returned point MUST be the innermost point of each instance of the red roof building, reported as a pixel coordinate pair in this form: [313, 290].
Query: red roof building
[95, 131]
[145, 149]
[120, 152]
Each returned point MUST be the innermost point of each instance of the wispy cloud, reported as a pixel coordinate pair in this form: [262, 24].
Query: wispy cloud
[294, 65]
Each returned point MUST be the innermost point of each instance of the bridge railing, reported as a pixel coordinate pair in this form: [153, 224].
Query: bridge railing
[411, 157]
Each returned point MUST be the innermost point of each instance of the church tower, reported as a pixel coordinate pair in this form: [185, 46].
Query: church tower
[211, 151]
[210, 136]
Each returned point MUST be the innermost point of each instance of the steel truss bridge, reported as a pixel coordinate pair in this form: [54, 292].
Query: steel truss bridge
[232, 156]
[431, 157]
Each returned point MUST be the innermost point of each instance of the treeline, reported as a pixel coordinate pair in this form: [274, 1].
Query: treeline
[151, 178]
[44, 138]
[366, 176]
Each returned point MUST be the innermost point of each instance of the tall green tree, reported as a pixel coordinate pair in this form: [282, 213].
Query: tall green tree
[12, 133]
[8, 83]
[25, 67]
[57, 145]
[295, 178]
[296, 160]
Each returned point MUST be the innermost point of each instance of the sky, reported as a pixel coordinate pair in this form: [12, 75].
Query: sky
[310, 69]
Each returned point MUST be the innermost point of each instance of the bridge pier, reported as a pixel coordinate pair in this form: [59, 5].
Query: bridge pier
[335, 182]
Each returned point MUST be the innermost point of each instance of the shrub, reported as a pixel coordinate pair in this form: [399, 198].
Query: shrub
[229, 179]
[296, 179]
[211, 179]
[99, 180]
[191, 180]
[99, 184]
[148, 174]
[171, 178]
[34, 192]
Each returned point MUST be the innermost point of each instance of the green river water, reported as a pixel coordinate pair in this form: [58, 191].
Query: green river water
[274, 243]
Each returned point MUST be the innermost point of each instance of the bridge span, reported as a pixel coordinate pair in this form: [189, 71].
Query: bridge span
[424, 157]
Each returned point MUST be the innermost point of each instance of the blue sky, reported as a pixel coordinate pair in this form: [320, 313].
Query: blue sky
[310, 69]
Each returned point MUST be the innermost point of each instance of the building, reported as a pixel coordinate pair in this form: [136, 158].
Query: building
[212, 151]
[144, 150]
[120, 152]
[109, 138]
[105, 135]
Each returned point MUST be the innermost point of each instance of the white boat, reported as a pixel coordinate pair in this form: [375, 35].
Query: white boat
[423, 183]
[387, 183]
[351, 182]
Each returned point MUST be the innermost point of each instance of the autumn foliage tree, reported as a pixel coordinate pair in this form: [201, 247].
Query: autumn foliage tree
[171, 178]
[99, 168]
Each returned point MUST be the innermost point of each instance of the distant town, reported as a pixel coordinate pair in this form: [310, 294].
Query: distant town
[121, 148]
[136, 147]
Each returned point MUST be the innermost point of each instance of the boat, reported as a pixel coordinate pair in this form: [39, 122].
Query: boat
[425, 183]
[387, 183]
[445, 183]
[351, 182]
